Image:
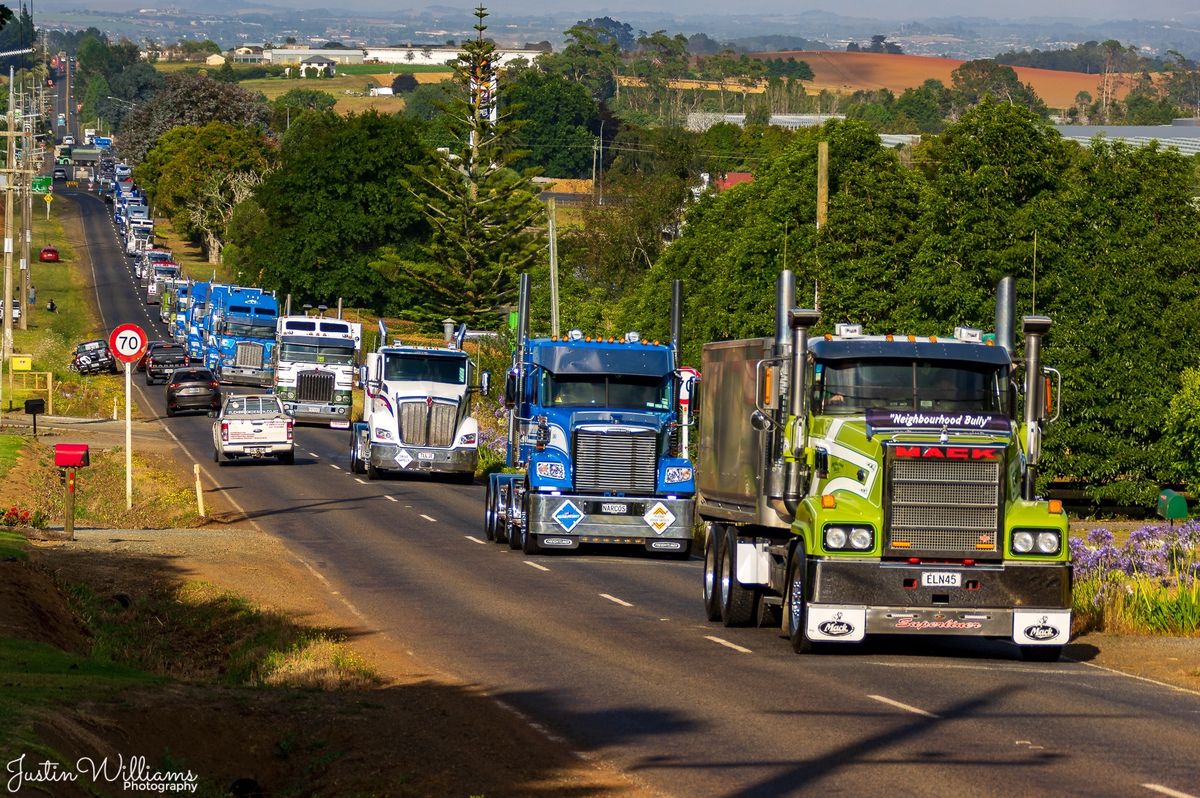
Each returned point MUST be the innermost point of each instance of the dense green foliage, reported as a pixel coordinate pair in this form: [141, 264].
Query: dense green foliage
[557, 120]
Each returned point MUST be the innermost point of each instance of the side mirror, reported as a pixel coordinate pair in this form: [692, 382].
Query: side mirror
[510, 391]
[362, 374]
[760, 421]
[485, 383]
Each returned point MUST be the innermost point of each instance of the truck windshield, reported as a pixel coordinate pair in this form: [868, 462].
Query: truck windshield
[330, 354]
[853, 387]
[247, 329]
[606, 390]
[450, 370]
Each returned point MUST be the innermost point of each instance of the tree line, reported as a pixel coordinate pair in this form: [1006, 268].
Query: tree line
[299, 199]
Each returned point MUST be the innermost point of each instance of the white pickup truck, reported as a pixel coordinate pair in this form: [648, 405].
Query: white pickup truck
[255, 426]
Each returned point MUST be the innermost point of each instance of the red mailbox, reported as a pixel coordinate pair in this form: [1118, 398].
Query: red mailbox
[71, 455]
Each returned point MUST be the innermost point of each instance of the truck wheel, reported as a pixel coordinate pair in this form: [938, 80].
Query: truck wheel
[737, 602]
[287, 458]
[489, 512]
[529, 544]
[515, 530]
[794, 604]
[1041, 653]
[373, 473]
[712, 570]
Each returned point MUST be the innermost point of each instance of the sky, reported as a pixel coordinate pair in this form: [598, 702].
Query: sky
[881, 9]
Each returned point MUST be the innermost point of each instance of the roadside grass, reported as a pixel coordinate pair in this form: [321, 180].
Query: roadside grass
[196, 631]
[13, 546]
[10, 450]
[193, 264]
[161, 500]
[39, 676]
[51, 337]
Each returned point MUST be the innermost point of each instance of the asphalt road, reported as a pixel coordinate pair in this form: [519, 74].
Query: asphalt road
[610, 651]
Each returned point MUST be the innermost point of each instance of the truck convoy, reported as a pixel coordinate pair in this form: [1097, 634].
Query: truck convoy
[594, 424]
[314, 366]
[855, 485]
[238, 334]
[417, 410]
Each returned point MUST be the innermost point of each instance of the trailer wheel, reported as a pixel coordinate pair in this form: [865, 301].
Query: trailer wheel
[1041, 653]
[794, 604]
[737, 602]
[712, 570]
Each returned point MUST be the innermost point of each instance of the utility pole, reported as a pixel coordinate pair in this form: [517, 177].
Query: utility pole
[10, 175]
[27, 122]
[822, 183]
[551, 215]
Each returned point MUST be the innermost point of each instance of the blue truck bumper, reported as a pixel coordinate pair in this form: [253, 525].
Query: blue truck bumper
[565, 521]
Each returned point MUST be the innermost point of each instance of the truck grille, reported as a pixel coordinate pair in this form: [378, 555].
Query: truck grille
[248, 354]
[944, 506]
[314, 386]
[619, 461]
[423, 424]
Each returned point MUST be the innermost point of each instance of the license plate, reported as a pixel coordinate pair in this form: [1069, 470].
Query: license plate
[941, 579]
[425, 455]
[614, 508]
[257, 449]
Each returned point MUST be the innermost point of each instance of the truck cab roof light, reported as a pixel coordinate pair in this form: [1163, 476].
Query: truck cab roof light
[933, 339]
[575, 335]
[968, 335]
[1055, 506]
[849, 331]
[632, 337]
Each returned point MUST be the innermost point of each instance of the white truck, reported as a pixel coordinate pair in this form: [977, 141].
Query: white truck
[417, 411]
[314, 367]
[253, 426]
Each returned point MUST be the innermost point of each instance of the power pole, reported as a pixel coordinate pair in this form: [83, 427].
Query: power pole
[10, 175]
[822, 183]
[27, 122]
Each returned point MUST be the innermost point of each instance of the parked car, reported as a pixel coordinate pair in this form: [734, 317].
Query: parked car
[164, 360]
[60, 173]
[193, 389]
[48, 255]
[93, 357]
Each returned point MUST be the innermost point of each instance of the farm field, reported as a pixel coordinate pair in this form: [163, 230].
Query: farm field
[350, 91]
[849, 72]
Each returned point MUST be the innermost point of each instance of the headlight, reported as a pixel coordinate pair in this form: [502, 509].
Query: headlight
[678, 474]
[383, 434]
[836, 537]
[861, 538]
[552, 470]
[1047, 542]
[1022, 542]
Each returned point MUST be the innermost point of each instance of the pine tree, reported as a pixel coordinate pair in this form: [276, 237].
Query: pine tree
[480, 209]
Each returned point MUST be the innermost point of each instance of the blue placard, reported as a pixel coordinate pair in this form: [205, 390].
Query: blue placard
[102, 141]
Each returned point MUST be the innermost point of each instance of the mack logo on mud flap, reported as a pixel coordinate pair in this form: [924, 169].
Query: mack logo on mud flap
[945, 453]
[1041, 631]
[836, 628]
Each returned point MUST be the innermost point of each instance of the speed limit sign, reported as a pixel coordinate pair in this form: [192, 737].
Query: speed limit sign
[127, 342]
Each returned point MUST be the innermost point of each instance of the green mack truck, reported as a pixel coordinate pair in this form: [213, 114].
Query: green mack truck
[854, 485]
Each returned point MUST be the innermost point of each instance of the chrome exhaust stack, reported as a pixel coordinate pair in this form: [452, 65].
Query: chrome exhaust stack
[800, 320]
[1006, 314]
[1034, 327]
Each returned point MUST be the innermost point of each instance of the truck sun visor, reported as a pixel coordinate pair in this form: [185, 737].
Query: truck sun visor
[642, 361]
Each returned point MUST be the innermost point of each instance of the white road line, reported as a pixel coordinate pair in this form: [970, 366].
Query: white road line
[1139, 678]
[359, 481]
[334, 465]
[390, 498]
[893, 703]
[427, 518]
[1158, 788]
[314, 454]
[475, 539]
[615, 600]
[536, 565]
[727, 644]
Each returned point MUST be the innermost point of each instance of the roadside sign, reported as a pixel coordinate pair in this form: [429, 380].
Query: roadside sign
[22, 363]
[42, 185]
[102, 141]
[127, 342]
[47, 198]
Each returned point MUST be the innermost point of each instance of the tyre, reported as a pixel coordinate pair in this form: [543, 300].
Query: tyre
[1041, 653]
[489, 512]
[794, 603]
[373, 473]
[170, 413]
[712, 571]
[738, 603]
[515, 530]
[216, 455]
[529, 544]
[149, 379]
[288, 457]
